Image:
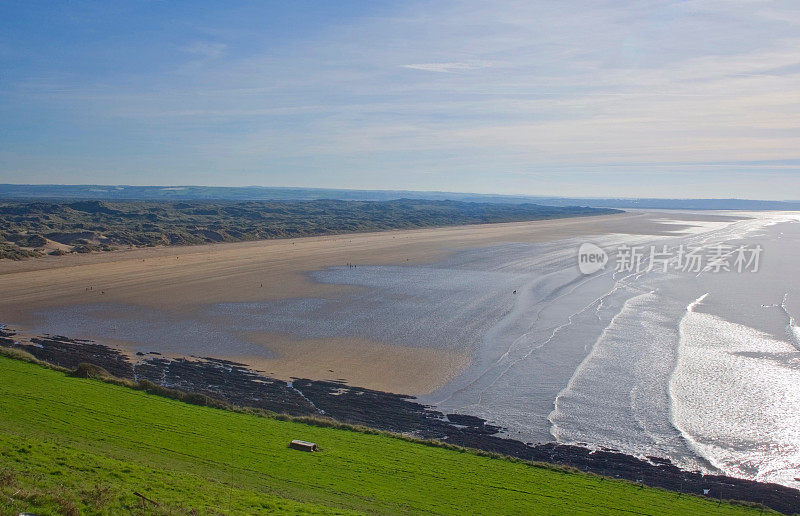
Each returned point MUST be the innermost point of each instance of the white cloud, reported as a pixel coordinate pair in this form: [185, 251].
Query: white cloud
[205, 49]
[447, 67]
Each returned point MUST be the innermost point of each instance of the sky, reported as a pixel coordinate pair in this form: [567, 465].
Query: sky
[682, 98]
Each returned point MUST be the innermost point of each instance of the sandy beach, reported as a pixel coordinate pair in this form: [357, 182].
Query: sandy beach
[180, 280]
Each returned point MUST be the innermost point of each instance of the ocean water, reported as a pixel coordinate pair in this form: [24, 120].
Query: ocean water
[701, 367]
[744, 417]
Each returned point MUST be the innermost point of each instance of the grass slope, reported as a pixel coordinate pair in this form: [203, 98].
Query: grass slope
[75, 445]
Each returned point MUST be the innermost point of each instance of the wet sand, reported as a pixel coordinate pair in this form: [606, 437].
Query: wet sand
[358, 361]
[181, 280]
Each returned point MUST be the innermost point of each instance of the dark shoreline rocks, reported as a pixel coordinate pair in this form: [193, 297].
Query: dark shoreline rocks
[237, 385]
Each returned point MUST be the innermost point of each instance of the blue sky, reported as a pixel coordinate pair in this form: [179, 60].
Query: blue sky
[694, 98]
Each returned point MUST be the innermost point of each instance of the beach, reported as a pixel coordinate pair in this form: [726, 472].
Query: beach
[176, 281]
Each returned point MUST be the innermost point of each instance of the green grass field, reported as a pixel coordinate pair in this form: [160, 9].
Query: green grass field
[72, 446]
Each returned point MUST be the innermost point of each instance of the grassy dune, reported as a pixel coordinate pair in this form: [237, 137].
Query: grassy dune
[70, 445]
[28, 228]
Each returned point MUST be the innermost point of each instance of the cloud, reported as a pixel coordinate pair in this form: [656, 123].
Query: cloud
[205, 49]
[447, 67]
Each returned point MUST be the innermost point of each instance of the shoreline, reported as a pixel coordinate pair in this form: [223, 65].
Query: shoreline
[238, 386]
[177, 281]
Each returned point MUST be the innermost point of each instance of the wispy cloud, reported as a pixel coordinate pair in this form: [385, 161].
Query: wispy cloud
[205, 49]
[447, 67]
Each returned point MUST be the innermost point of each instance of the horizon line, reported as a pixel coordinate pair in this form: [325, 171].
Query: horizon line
[391, 190]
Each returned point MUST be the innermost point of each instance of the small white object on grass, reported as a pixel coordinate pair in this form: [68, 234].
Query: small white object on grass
[303, 445]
